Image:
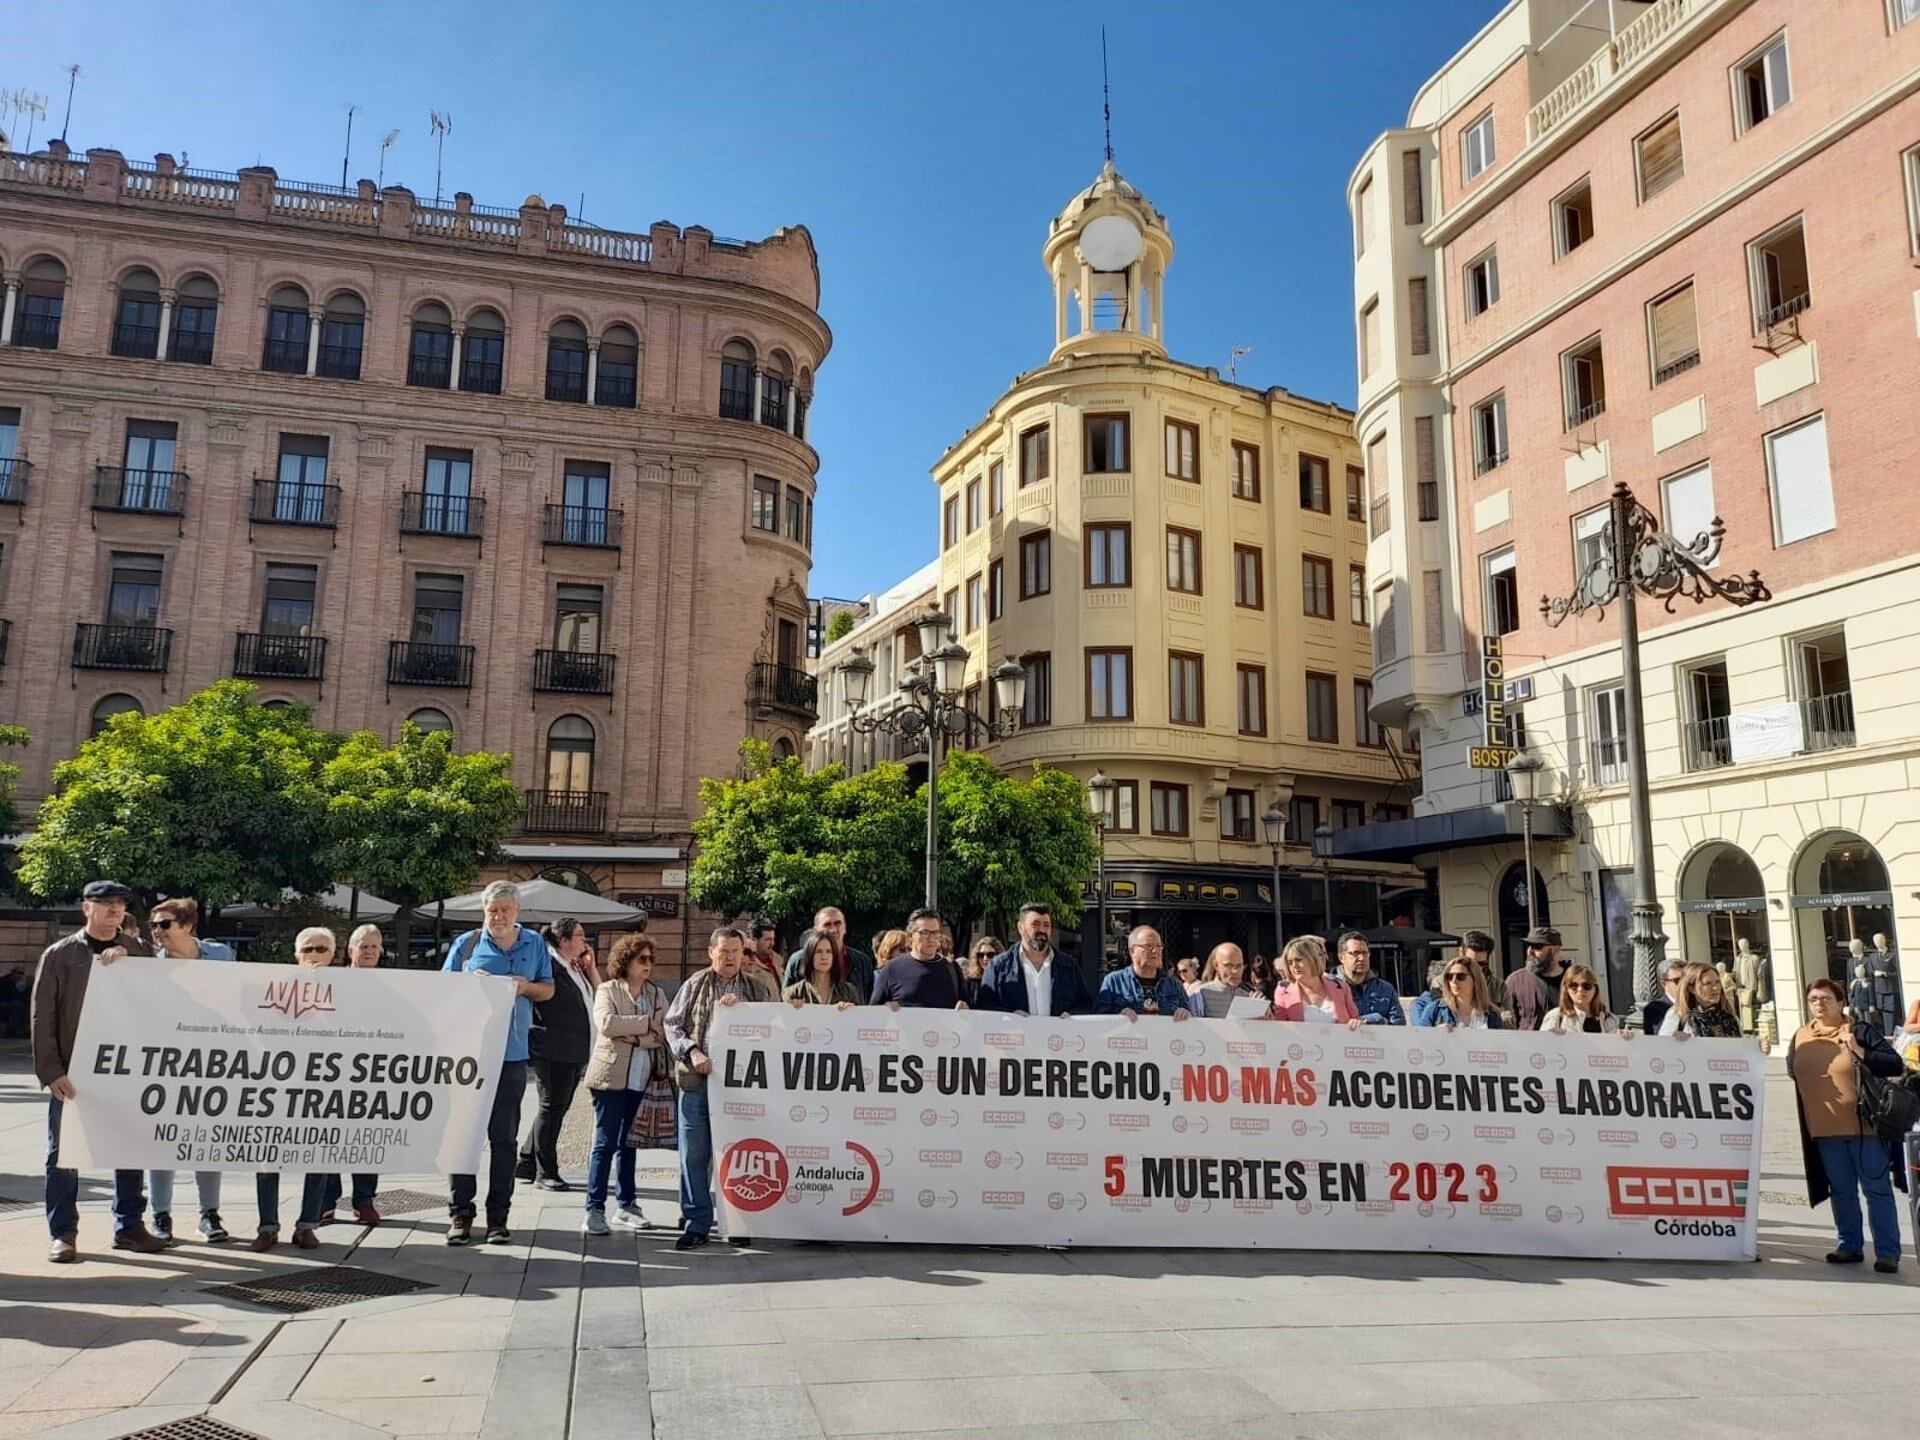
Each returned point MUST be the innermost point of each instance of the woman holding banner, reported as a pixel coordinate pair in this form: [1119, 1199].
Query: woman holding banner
[1702, 1007]
[1463, 1002]
[365, 949]
[1308, 994]
[313, 948]
[1581, 1011]
[823, 974]
[629, 1046]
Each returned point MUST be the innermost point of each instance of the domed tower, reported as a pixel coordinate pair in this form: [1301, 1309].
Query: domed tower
[1107, 253]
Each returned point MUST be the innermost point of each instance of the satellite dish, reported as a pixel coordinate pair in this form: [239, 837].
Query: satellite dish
[1111, 242]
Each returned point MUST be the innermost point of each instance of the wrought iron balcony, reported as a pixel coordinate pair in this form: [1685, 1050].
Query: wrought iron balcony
[1585, 414]
[294, 502]
[285, 357]
[429, 372]
[1482, 464]
[1708, 744]
[736, 405]
[430, 512]
[136, 342]
[784, 687]
[339, 362]
[567, 385]
[480, 377]
[615, 391]
[1785, 311]
[566, 812]
[279, 657]
[191, 347]
[1675, 367]
[1828, 721]
[35, 331]
[1610, 761]
[121, 647]
[574, 672]
[417, 662]
[146, 492]
[594, 526]
[14, 475]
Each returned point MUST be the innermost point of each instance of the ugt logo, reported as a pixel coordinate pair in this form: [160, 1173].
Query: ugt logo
[295, 997]
[753, 1175]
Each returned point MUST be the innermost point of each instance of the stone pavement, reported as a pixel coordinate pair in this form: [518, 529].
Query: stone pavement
[557, 1337]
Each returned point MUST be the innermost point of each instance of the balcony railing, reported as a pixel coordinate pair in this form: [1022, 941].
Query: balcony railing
[339, 362]
[1483, 463]
[616, 392]
[36, 332]
[14, 476]
[415, 662]
[784, 687]
[574, 672]
[136, 342]
[429, 512]
[1707, 743]
[1679, 366]
[568, 386]
[736, 405]
[121, 647]
[191, 347]
[1609, 62]
[294, 502]
[1586, 414]
[1610, 762]
[594, 526]
[284, 357]
[1828, 720]
[1784, 311]
[279, 657]
[566, 812]
[148, 492]
[6, 639]
[480, 377]
[429, 372]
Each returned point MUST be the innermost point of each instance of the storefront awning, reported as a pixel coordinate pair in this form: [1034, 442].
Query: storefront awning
[1448, 830]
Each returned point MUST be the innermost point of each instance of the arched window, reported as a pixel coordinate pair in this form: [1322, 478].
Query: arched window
[110, 706]
[570, 755]
[194, 316]
[288, 324]
[802, 399]
[430, 349]
[567, 362]
[483, 353]
[343, 335]
[136, 318]
[736, 381]
[775, 380]
[43, 294]
[432, 721]
[782, 748]
[618, 379]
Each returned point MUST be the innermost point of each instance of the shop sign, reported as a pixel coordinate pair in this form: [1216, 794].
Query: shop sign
[1744, 905]
[1845, 899]
[655, 907]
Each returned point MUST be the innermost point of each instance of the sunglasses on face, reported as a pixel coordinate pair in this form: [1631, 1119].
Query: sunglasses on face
[162, 925]
[1580, 986]
[1453, 975]
[316, 949]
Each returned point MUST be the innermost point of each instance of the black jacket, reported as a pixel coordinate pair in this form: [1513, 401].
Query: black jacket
[1881, 1059]
[1004, 987]
[563, 1026]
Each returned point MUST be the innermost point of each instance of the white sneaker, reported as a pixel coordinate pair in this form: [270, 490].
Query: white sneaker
[595, 1224]
[629, 1215]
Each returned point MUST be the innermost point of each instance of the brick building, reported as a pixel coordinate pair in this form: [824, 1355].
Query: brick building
[541, 483]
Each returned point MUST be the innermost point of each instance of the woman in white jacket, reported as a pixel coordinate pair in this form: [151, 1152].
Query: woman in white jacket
[1581, 1010]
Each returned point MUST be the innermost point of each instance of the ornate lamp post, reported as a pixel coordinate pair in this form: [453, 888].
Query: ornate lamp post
[1323, 852]
[1099, 799]
[1275, 825]
[1524, 771]
[1639, 558]
[934, 707]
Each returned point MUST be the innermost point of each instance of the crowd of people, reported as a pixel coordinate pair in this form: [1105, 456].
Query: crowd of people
[643, 1055]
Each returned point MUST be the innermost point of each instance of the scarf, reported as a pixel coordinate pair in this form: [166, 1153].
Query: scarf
[1713, 1023]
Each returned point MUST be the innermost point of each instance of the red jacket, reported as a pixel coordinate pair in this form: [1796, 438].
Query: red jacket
[1290, 1004]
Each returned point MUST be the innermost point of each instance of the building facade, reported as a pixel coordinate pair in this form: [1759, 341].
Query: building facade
[539, 483]
[1670, 245]
[885, 634]
[1175, 561]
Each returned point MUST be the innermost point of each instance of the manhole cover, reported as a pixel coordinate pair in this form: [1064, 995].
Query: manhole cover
[200, 1427]
[404, 1202]
[318, 1289]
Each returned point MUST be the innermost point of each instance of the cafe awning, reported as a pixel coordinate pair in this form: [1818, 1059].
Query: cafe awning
[1448, 830]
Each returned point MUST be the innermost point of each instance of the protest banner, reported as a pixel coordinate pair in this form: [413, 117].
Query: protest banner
[199, 1065]
[975, 1128]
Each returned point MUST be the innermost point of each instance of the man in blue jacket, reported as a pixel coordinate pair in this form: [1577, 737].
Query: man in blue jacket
[1376, 1000]
[1143, 988]
[1030, 977]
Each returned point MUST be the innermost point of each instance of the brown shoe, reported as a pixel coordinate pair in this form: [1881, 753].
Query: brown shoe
[63, 1251]
[266, 1240]
[140, 1240]
[306, 1239]
[366, 1215]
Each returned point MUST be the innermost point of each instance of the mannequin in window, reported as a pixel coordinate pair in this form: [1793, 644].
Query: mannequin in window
[1885, 974]
[1746, 975]
[1736, 997]
[1860, 997]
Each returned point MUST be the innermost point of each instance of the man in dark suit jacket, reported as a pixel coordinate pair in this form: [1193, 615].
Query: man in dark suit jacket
[1004, 984]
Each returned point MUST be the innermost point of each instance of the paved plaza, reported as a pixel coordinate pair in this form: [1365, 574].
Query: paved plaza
[555, 1336]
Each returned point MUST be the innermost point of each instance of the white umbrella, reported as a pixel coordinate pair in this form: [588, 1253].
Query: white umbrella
[337, 897]
[541, 903]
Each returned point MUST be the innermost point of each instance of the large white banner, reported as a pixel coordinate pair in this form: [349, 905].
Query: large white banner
[977, 1128]
[209, 1065]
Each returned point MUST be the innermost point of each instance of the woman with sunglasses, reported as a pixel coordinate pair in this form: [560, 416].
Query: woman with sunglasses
[823, 974]
[1463, 1002]
[1581, 1011]
[365, 949]
[313, 949]
[975, 965]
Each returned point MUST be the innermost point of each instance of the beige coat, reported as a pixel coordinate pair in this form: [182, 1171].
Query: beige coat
[618, 1027]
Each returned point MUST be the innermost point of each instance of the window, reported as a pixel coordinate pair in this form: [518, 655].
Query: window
[996, 589]
[1708, 700]
[195, 315]
[287, 604]
[1483, 283]
[1169, 808]
[1303, 818]
[616, 381]
[1249, 579]
[1387, 814]
[774, 390]
[430, 347]
[1036, 564]
[1801, 483]
[976, 603]
[567, 362]
[36, 323]
[1490, 434]
[736, 381]
[288, 329]
[796, 516]
[1186, 689]
[110, 706]
[1365, 731]
[1386, 642]
[1760, 83]
[1183, 560]
[1823, 685]
[1904, 12]
[13, 477]
[1123, 807]
[1105, 451]
[1323, 709]
[1589, 539]
[1250, 696]
[133, 589]
[1609, 747]
[1777, 265]
[437, 603]
[1910, 163]
[1425, 469]
[1357, 594]
[1413, 205]
[1036, 453]
[1236, 815]
[1572, 217]
[483, 353]
[1183, 450]
[1419, 334]
[570, 756]
[975, 514]
[951, 604]
[343, 336]
[431, 721]
[1246, 471]
[1688, 503]
[1500, 593]
[1356, 493]
[766, 504]
[1583, 381]
[1658, 156]
[1039, 703]
[996, 487]
[1379, 498]
[1369, 338]
[1110, 684]
[1109, 556]
[1314, 485]
[1476, 146]
[584, 488]
[1316, 586]
[949, 522]
[1349, 814]
[1673, 336]
[577, 610]
[136, 318]
[148, 461]
[1363, 218]
[1433, 614]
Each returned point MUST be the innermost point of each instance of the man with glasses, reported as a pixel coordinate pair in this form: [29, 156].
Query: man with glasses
[175, 925]
[1659, 1005]
[1030, 977]
[1376, 1000]
[1143, 988]
[923, 978]
[860, 967]
[1536, 990]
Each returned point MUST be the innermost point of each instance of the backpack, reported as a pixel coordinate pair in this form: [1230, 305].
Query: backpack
[1886, 1104]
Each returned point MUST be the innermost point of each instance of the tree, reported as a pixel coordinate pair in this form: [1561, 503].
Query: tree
[1005, 841]
[840, 626]
[218, 798]
[783, 841]
[10, 736]
[413, 821]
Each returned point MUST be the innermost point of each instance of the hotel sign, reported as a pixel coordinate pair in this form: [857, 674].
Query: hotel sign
[1498, 748]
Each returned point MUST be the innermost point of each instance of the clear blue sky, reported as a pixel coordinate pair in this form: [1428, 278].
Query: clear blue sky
[926, 146]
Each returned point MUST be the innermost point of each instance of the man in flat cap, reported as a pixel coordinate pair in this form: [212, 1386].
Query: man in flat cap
[1535, 990]
[59, 988]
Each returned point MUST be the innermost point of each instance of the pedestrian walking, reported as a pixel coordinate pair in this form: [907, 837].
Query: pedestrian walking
[629, 1027]
[175, 926]
[559, 1042]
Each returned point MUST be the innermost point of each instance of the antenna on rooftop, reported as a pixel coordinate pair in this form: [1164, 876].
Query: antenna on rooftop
[346, 158]
[73, 75]
[386, 144]
[1235, 356]
[1106, 97]
[442, 126]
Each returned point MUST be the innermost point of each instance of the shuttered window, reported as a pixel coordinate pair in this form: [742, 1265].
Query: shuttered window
[1370, 339]
[1675, 333]
[1385, 644]
[1433, 613]
[1417, 325]
[1412, 188]
[1659, 156]
[1802, 484]
[1363, 219]
[1379, 507]
[1689, 504]
[1428, 488]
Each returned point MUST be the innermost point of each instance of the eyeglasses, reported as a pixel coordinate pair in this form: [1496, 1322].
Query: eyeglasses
[924, 934]
[1148, 949]
[159, 925]
[316, 949]
[1580, 985]
[1453, 975]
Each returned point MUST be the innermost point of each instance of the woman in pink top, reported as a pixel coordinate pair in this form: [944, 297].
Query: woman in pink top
[1308, 995]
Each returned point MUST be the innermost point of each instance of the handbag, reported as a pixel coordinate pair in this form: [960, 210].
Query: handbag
[1889, 1106]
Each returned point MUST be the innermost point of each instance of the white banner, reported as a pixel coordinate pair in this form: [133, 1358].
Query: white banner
[210, 1065]
[976, 1128]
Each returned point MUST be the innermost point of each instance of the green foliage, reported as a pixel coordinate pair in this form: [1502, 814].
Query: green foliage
[840, 626]
[219, 798]
[10, 736]
[1005, 841]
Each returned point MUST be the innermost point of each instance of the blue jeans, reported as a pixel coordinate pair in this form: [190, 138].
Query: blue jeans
[160, 1191]
[1855, 1164]
[503, 1149]
[696, 1163]
[266, 1190]
[365, 1187]
[63, 1188]
[613, 1112]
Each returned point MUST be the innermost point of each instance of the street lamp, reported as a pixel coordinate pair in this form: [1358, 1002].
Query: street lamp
[1653, 563]
[1524, 770]
[933, 706]
[1275, 824]
[1099, 798]
[1323, 852]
